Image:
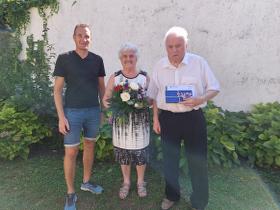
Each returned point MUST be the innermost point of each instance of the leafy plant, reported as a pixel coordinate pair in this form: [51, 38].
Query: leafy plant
[226, 130]
[16, 15]
[225, 133]
[10, 48]
[19, 129]
[263, 134]
[104, 146]
[28, 84]
[25, 84]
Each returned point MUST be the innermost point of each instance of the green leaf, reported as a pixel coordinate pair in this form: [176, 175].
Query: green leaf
[229, 145]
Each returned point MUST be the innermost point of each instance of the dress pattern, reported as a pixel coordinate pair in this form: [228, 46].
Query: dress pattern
[134, 134]
[131, 138]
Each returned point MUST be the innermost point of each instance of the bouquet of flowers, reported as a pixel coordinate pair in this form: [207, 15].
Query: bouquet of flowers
[127, 98]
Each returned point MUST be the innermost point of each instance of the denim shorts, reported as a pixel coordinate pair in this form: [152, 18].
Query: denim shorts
[86, 120]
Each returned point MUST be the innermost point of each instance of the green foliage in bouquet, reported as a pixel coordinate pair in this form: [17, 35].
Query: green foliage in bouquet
[127, 98]
[263, 135]
[19, 129]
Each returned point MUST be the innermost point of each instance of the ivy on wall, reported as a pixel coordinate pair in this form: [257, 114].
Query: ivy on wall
[25, 83]
[15, 14]
[26, 105]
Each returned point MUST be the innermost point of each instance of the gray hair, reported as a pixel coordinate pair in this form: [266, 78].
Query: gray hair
[178, 31]
[128, 46]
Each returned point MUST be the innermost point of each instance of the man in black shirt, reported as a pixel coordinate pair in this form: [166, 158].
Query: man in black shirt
[83, 73]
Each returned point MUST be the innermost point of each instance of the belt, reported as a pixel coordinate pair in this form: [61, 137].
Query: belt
[167, 111]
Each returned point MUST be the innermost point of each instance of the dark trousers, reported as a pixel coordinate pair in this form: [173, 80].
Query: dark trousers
[190, 127]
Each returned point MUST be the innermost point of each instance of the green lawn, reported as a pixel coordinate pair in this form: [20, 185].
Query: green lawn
[38, 184]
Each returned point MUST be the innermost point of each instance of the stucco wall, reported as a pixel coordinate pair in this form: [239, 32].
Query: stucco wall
[240, 39]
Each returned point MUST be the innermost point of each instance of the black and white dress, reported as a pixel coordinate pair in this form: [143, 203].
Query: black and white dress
[131, 138]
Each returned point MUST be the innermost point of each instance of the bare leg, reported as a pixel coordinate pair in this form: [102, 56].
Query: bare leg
[124, 190]
[141, 184]
[70, 167]
[140, 173]
[88, 158]
[126, 173]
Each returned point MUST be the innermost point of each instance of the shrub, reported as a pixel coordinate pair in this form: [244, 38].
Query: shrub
[104, 146]
[19, 129]
[226, 131]
[29, 82]
[263, 135]
[253, 136]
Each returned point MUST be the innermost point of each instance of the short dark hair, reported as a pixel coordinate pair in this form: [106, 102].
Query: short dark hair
[81, 25]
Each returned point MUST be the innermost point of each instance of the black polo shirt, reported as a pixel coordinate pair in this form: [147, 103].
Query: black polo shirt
[81, 78]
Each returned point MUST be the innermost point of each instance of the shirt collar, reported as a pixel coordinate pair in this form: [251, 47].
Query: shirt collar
[185, 61]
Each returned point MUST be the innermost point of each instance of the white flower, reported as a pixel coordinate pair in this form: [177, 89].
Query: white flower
[125, 96]
[121, 83]
[138, 105]
[130, 102]
[134, 86]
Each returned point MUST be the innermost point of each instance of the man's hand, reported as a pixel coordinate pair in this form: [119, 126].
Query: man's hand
[192, 102]
[63, 126]
[195, 101]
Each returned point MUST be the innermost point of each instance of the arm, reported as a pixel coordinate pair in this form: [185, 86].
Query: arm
[156, 124]
[108, 91]
[211, 84]
[192, 102]
[101, 89]
[150, 101]
[57, 91]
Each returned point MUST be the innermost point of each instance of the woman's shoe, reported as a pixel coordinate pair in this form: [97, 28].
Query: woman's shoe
[141, 190]
[124, 190]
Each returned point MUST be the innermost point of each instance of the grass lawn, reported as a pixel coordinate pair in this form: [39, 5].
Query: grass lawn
[38, 184]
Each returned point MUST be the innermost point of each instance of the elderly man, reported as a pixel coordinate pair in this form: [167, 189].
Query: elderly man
[83, 72]
[181, 85]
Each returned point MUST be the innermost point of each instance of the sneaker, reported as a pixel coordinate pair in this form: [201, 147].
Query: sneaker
[93, 188]
[70, 201]
[166, 204]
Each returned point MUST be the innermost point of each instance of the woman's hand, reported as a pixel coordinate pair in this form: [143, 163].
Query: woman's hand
[156, 125]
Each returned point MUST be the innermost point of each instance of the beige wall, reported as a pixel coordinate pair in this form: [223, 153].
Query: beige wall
[240, 39]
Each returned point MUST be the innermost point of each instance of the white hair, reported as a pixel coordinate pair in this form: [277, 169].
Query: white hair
[178, 31]
[128, 46]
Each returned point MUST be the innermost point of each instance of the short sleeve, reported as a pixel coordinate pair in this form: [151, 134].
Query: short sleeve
[211, 83]
[101, 72]
[153, 86]
[59, 69]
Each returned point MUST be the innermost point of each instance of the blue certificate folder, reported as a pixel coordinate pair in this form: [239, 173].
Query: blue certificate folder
[177, 93]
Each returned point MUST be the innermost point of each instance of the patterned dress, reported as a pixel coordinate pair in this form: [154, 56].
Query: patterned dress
[131, 139]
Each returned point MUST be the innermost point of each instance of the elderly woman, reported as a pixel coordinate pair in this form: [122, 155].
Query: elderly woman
[131, 138]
